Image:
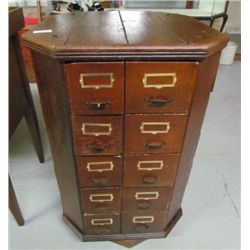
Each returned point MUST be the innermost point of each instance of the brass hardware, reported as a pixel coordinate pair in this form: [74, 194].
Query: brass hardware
[154, 132]
[108, 125]
[140, 167]
[147, 195]
[159, 86]
[143, 219]
[109, 168]
[102, 222]
[96, 86]
[94, 197]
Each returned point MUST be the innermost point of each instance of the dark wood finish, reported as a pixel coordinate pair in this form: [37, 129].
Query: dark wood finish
[157, 225]
[170, 142]
[163, 42]
[89, 144]
[176, 99]
[50, 76]
[104, 171]
[143, 201]
[189, 4]
[114, 33]
[14, 206]
[96, 100]
[120, 238]
[100, 229]
[104, 201]
[204, 85]
[135, 175]
[20, 100]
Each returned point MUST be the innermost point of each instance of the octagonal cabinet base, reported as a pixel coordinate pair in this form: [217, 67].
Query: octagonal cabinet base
[127, 240]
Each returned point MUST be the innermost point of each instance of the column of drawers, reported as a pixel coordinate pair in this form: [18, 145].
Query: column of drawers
[128, 122]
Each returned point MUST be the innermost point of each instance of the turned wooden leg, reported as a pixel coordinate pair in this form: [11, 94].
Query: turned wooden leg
[13, 205]
[32, 122]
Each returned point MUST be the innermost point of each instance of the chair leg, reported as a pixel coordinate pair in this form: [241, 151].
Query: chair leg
[32, 122]
[14, 206]
[225, 17]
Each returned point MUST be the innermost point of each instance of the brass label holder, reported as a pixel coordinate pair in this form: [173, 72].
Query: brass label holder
[96, 86]
[171, 84]
[107, 125]
[100, 163]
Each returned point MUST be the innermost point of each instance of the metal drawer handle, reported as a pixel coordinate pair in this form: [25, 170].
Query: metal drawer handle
[90, 166]
[158, 102]
[98, 105]
[96, 86]
[103, 125]
[143, 219]
[102, 222]
[170, 84]
[154, 132]
[147, 195]
[141, 167]
[101, 197]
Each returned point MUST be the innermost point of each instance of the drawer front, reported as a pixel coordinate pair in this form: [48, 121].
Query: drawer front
[150, 170]
[96, 88]
[149, 223]
[154, 133]
[98, 135]
[101, 171]
[102, 224]
[101, 201]
[153, 87]
[145, 200]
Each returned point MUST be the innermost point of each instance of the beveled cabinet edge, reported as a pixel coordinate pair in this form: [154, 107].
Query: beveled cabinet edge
[57, 118]
[200, 97]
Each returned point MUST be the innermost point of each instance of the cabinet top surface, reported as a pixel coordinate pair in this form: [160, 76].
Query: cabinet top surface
[117, 32]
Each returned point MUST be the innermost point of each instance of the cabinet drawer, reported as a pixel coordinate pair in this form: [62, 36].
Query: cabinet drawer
[154, 133]
[95, 135]
[101, 171]
[150, 169]
[96, 88]
[101, 201]
[144, 200]
[153, 87]
[102, 224]
[149, 223]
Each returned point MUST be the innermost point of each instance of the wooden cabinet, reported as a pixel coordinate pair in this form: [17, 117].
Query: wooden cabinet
[124, 95]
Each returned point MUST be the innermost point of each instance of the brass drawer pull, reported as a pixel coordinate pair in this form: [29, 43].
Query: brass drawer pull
[141, 167]
[101, 197]
[102, 125]
[145, 130]
[90, 166]
[170, 84]
[143, 219]
[102, 222]
[147, 195]
[96, 86]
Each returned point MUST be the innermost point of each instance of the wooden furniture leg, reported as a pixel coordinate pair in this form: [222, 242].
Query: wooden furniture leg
[31, 119]
[13, 205]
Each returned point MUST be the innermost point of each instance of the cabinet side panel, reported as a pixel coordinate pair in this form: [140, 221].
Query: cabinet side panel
[56, 114]
[205, 81]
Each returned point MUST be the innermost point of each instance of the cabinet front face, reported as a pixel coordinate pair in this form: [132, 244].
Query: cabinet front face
[96, 88]
[127, 160]
[158, 87]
